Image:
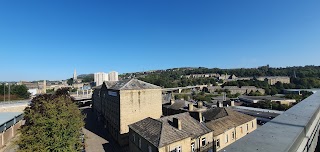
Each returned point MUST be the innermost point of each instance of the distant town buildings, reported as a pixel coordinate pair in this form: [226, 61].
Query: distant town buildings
[100, 77]
[35, 87]
[272, 80]
[113, 76]
[256, 99]
[235, 89]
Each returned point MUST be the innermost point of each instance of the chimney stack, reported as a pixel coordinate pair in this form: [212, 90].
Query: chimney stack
[200, 117]
[200, 104]
[220, 104]
[177, 123]
[232, 103]
[190, 107]
[172, 99]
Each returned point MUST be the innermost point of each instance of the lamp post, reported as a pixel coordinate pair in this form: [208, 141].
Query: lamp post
[9, 92]
[4, 92]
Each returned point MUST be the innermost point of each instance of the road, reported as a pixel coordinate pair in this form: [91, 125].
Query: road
[97, 137]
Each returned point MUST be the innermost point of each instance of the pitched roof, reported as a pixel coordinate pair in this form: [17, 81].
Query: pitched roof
[178, 104]
[130, 84]
[222, 119]
[161, 132]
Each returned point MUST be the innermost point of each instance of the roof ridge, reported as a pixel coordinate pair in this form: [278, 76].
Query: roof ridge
[126, 83]
[161, 130]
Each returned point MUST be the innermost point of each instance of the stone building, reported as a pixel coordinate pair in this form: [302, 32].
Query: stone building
[207, 130]
[177, 133]
[181, 106]
[234, 89]
[256, 99]
[227, 125]
[272, 80]
[121, 103]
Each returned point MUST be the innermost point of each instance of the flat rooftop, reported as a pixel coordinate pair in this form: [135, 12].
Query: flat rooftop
[263, 98]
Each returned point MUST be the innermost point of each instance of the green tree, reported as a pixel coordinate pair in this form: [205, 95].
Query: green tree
[21, 91]
[53, 123]
[70, 81]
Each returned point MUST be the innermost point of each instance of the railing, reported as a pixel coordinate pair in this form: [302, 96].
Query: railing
[11, 122]
[297, 129]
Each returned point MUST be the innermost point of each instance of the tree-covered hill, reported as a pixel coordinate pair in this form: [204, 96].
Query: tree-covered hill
[302, 76]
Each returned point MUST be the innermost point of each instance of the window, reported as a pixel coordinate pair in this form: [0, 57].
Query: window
[247, 127]
[150, 148]
[241, 129]
[139, 142]
[227, 138]
[218, 143]
[179, 149]
[203, 141]
[233, 135]
[192, 147]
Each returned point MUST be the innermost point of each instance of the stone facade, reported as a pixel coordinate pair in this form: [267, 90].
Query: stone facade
[233, 134]
[119, 106]
[272, 80]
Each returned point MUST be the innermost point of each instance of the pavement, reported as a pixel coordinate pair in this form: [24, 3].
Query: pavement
[97, 138]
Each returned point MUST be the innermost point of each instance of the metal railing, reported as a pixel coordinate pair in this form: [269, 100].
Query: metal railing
[297, 129]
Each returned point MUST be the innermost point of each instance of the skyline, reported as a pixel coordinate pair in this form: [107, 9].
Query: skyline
[48, 40]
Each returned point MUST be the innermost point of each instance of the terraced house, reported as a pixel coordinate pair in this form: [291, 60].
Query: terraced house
[175, 133]
[227, 125]
[213, 130]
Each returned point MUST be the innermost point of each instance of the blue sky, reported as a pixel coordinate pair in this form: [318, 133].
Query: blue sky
[48, 39]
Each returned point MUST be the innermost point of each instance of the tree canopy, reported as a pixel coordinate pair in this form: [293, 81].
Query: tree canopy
[16, 91]
[53, 123]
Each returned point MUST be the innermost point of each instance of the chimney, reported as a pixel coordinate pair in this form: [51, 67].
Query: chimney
[220, 104]
[190, 107]
[44, 86]
[232, 103]
[172, 99]
[200, 117]
[200, 104]
[196, 115]
[177, 123]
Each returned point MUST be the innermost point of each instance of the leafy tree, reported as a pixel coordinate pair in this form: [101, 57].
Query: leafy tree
[70, 81]
[21, 91]
[53, 123]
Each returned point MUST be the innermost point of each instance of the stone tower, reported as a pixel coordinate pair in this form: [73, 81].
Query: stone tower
[75, 74]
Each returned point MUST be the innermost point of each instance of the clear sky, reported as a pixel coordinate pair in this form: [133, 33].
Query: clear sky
[48, 39]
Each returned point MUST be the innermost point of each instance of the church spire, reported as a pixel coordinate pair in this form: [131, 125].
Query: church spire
[75, 74]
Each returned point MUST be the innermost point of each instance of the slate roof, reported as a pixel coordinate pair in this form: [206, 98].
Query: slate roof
[130, 84]
[161, 132]
[221, 119]
[178, 104]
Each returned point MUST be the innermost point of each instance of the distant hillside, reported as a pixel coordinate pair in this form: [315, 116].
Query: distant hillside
[302, 76]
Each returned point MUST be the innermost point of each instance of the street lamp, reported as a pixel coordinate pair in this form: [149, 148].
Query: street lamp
[4, 92]
[9, 92]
